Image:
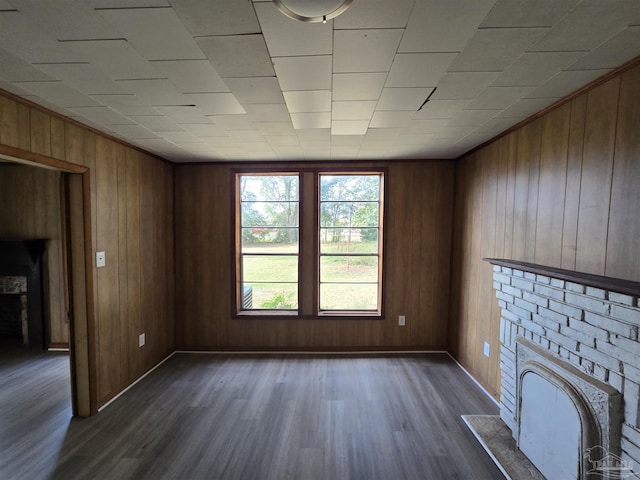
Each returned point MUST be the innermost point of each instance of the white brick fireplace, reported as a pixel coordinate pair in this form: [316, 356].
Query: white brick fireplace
[570, 365]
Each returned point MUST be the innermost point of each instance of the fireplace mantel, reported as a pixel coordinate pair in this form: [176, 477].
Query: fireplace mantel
[610, 284]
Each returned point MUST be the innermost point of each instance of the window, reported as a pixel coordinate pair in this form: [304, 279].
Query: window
[309, 243]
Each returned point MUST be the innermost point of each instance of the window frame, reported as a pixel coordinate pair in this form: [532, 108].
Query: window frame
[308, 248]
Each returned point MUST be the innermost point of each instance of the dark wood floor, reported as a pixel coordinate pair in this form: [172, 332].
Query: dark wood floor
[202, 416]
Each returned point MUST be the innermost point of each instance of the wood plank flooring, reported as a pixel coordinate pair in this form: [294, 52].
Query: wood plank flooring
[226, 416]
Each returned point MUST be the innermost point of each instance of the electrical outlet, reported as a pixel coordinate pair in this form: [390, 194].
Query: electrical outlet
[141, 340]
[401, 320]
[101, 259]
[487, 348]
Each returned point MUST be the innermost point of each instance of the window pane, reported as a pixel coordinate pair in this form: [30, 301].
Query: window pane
[348, 269]
[274, 296]
[345, 240]
[349, 188]
[269, 187]
[269, 240]
[274, 214]
[349, 214]
[269, 268]
[348, 296]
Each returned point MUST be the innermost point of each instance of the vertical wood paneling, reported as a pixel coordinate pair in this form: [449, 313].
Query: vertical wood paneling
[573, 176]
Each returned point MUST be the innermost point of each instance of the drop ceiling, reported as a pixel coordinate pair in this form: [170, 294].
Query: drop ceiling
[220, 80]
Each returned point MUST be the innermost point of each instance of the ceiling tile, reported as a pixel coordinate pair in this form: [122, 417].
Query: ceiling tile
[238, 55]
[126, 104]
[414, 139]
[390, 119]
[156, 123]
[312, 101]
[191, 76]
[127, 3]
[462, 85]
[276, 128]
[114, 57]
[403, 98]
[441, 108]
[215, 103]
[365, 50]
[133, 131]
[378, 134]
[255, 90]
[283, 140]
[58, 93]
[232, 122]
[289, 38]
[311, 120]
[84, 77]
[155, 92]
[204, 130]
[525, 107]
[590, 24]
[494, 49]
[358, 86]
[221, 17]
[345, 140]
[614, 52]
[494, 98]
[535, 68]
[471, 117]
[102, 115]
[527, 13]
[265, 112]
[15, 69]
[157, 33]
[246, 135]
[181, 136]
[358, 110]
[429, 125]
[375, 14]
[437, 26]
[304, 73]
[418, 69]
[314, 135]
[565, 82]
[349, 127]
[183, 114]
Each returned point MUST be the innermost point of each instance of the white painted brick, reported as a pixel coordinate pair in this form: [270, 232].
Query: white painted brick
[621, 298]
[601, 373]
[596, 292]
[577, 335]
[631, 394]
[599, 357]
[610, 324]
[516, 292]
[575, 360]
[544, 343]
[587, 366]
[547, 291]
[518, 273]
[533, 328]
[574, 287]
[497, 268]
[562, 340]
[507, 271]
[537, 299]
[520, 312]
[522, 284]
[508, 418]
[554, 347]
[508, 357]
[564, 353]
[543, 279]
[507, 399]
[616, 381]
[504, 296]
[565, 309]
[630, 346]
[631, 433]
[502, 323]
[555, 316]
[502, 304]
[501, 278]
[616, 352]
[508, 383]
[556, 282]
[510, 316]
[528, 306]
[631, 373]
[497, 285]
[547, 323]
[529, 276]
[631, 315]
[587, 303]
[589, 329]
[634, 334]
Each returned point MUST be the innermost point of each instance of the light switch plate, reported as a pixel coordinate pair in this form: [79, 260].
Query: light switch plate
[487, 349]
[101, 259]
[141, 340]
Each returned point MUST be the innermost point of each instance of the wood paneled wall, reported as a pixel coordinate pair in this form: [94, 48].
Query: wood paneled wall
[30, 208]
[416, 271]
[131, 220]
[561, 191]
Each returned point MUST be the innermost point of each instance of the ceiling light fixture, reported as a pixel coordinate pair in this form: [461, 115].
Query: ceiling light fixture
[313, 11]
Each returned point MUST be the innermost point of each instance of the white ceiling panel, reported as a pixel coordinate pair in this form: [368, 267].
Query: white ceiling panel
[467, 118]
[181, 136]
[219, 141]
[273, 129]
[527, 13]
[589, 25]
[246, 135]
[311, 101]
[494, 49]
[437, 26]
[403, 98]
[156, 123]
[535, 68]
[304, 73]
[314, 135]
[102, 115]
[364, 50]
[441, 108]
[232, 122]
[614, 52]
[215, 103]
[157, 33]
[414, 139]
[380, 134]
[183, 114]
[290, 39]
[84, 77]
[134, 131]
[238, 55]
[15, 69]
[127, 3]
[418, 69]
[349, 127]
[204, 130]
[26, 40]
[126, 104]
[363, 14]
[343, 140]
[265, 112]
[311, 120]
[565, 82]
[155, 92]
[498, 98]
[357, 110]
[191, 76]
[358, 86]
[283, 140]
[391, 119]
[116, 58]
[429, 125]
[525, 107]
[255, 90]
[463, 85]
[58, 93]
[221, 17]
